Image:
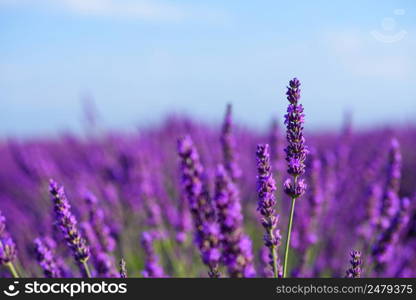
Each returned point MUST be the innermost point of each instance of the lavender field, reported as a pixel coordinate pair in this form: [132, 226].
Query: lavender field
[188, 199]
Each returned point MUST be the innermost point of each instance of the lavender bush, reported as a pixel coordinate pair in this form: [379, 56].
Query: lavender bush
[187, 199]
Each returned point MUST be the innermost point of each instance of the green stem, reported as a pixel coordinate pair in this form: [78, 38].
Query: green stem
[87, 269]
[12, 270]
[289, 230]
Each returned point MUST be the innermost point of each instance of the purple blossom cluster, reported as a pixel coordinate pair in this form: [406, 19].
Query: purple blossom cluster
[390, 198]
[266, 188]
[152, 266]
[207, 230]
[67, 223]
[355, 269]
[236, 246]
[45, 257]
[228, 146]
[7, 246]
[296, 150]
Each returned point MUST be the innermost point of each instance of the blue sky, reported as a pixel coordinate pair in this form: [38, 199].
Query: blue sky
[141, 60]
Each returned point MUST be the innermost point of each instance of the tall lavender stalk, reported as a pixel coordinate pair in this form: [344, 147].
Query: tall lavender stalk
[295, 156]
[390, 199]
[236, 246]
[97, 221]
[8, 251]
[228, 146]
[45, 257]
[68, 226]
[152, 267]
[383, 248]
[148, 198]
[264, 257]
[356, 262]
[266, 188]
[368, 226]
[103, 262]
[207, 230]
[99, 237]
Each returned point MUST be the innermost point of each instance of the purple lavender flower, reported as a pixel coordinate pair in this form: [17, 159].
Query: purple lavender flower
[148, 197]
[228, 146]
[264, 258]
[237, 254]
[68, 225]
[152, 266]
[296, 150]
[97, 221]
[295, 155]
[207, 231]
[104, 265]
[372, 214]
[371, 218]
[46, 258]
[266, 188]
[8, 250]
[390, 199]
[64, 269]
[355, 270]
[123, 268]
[383, 248]
[102, 261]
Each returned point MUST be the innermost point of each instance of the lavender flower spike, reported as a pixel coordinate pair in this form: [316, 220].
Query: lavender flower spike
[264, 258]
[46, 258]
[236, 247]
[228, 146]
[68, 225]
[97, 221]
[355, 270]
[296, 152]
[383, 248]
[152, 266]
[266, 188]
[390, 201]
[8, 251]
[207, 231]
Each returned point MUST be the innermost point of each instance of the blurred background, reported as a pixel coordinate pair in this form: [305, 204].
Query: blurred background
[132, 63]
